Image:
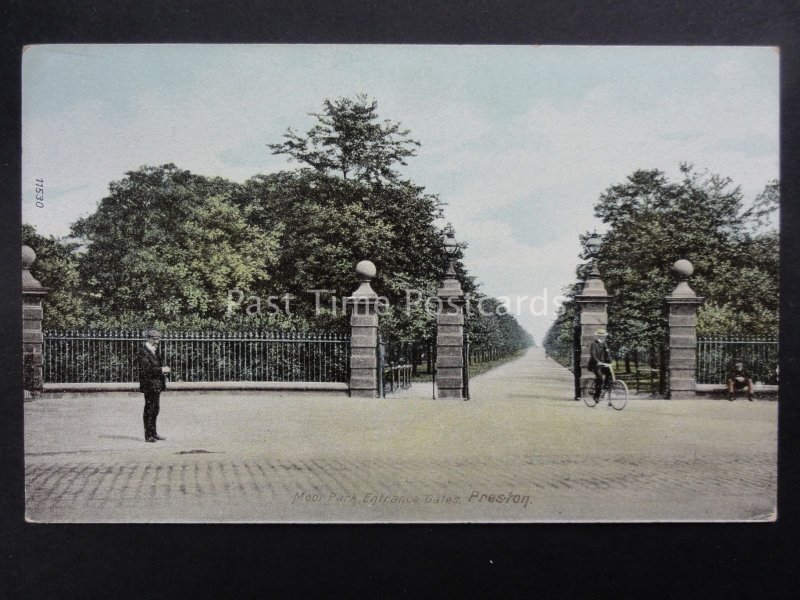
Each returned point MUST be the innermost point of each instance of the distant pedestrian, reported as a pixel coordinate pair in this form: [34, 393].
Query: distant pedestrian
[151, 382]
[739, 379]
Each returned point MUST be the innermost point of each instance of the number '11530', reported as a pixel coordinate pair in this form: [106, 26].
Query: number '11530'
[40, 193]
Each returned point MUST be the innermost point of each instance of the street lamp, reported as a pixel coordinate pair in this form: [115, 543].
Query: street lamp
[450, 243]
[451, 249]
[593, 245]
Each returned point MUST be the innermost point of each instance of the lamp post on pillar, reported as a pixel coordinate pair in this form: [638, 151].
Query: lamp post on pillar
[364, 334]
[593, 302]
[683, 304]
[450, 327]
[32, 314]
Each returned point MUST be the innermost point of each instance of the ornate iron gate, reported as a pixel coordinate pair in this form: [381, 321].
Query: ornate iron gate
[644, 369]
[394, 369]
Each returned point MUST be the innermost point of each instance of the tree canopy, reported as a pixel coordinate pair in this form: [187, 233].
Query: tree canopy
[168, 247]
[167, 244]
[704, 218]
[350, 140]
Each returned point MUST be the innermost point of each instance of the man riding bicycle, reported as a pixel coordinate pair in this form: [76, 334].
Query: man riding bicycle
[600, 362]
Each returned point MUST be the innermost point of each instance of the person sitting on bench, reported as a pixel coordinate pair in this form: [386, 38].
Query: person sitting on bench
[738, 379]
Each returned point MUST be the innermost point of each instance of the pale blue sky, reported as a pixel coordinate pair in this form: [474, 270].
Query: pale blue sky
[518, 140]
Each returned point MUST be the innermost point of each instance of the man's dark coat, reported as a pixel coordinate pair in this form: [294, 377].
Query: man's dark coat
[151, 379]
[598, 353]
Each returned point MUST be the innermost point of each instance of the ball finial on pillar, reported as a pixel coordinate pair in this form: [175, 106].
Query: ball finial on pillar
[683, 268]
[29, 283]
[366, 269]
[28, 257]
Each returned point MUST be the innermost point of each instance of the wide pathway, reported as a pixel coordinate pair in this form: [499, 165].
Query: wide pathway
[519, 450]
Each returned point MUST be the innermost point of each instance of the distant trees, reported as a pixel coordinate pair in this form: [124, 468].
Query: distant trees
[703, 217]
[495, 326]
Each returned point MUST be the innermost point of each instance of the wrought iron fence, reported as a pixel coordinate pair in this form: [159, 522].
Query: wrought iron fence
[110, 356]
[395, 377]
[397, 361]
[644, 370]
[419, 355]
[717, 354]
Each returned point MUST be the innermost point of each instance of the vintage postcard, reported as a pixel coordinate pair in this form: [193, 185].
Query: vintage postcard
[388, 283]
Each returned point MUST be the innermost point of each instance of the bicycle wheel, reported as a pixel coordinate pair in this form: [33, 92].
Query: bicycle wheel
[587, 393]
[618, 394]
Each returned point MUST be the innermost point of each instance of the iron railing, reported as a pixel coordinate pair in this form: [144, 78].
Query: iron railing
[717, 354]
[111, 356]
[419, 355]
[644, 370]
[395, 377]
[395, 366]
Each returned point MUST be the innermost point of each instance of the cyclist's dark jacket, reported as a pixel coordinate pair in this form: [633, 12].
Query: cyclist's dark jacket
[598, 353]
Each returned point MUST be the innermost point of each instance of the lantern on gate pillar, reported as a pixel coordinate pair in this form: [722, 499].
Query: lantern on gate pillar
[593, 245]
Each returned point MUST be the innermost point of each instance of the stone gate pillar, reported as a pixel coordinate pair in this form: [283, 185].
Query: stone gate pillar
[593, 303]
[683, 304]
[32, 314]
[364, 335]
[450, 337]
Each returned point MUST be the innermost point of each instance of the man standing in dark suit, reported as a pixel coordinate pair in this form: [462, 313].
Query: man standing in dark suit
[152, 382]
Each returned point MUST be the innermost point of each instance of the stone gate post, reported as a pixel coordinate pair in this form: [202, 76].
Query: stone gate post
[32, 314]
[593, 303]
[364, 335]
[450, 337]
[683, 303]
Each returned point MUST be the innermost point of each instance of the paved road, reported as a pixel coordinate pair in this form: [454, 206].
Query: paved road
[520, 450]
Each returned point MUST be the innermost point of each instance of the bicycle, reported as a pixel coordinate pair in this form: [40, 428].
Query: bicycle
[616, 392]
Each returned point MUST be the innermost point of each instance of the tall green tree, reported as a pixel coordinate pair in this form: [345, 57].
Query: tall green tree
[348, 202]
[704, 218]
[350, 140]
[167, 244]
